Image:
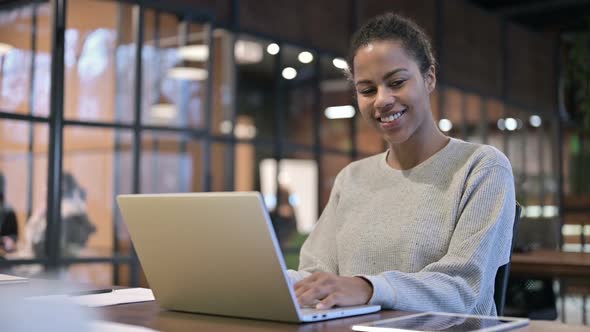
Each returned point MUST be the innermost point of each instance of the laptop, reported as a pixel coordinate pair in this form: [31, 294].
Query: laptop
[216, 253]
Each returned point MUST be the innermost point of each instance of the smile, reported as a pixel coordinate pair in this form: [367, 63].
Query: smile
[392, 117]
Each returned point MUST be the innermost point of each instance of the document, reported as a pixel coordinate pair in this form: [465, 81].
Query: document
[117, 327]
[117, 296]
[8, 279]
[102, 298]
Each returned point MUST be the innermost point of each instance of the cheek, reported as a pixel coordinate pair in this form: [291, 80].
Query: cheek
[364, 106]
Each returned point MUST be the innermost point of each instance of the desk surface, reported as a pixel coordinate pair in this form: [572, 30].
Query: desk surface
[551, 263]
[149, 314]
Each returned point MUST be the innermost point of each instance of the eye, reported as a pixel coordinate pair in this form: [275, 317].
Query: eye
[366, 91]
[396, 83]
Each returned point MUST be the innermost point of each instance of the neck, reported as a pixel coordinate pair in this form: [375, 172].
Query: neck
[416, 149]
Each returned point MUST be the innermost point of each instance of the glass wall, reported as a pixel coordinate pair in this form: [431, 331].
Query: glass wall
[155, 103]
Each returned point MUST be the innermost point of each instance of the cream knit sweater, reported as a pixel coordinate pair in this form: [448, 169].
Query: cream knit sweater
[428, 239]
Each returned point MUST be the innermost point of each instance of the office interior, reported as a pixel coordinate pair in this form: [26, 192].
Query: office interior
[100, 98]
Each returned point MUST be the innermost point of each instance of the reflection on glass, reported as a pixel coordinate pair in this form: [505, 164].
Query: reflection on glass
[16, 58]
[175, 57]
[170, 163]
[95, 53]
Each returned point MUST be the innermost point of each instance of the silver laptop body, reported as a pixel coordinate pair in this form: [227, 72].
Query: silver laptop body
[216, 253]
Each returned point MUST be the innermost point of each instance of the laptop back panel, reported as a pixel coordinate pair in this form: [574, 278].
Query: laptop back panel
[212, 253]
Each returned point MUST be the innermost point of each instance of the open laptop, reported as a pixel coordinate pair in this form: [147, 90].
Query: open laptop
[216, 253]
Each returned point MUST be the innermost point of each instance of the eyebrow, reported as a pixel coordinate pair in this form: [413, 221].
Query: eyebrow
[386, 76]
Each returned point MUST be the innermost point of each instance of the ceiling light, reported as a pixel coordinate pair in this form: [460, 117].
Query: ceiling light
[445, 125]
[194, 52]
[164, 111]
[273, 49]
[339, 112]
[501, 124]
[305, 57]
[245, 131]
[188, 73]
[289, 73]
[248, 52]
[511, 124]
[225, 127]
[535, 121]
[340, 63]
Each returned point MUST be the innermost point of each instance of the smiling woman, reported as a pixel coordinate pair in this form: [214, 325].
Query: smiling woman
[423, 226]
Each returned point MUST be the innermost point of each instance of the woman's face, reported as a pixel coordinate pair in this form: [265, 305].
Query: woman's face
[392, 94]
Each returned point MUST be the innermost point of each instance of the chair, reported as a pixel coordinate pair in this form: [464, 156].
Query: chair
[501, 282]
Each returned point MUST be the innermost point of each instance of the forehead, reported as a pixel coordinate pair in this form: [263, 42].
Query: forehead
[382, 55]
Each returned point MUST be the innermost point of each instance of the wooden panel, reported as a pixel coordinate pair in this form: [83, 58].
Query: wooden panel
[220, 9]
[324, 25]
[472, 56]
[423, 12]
[531, 71]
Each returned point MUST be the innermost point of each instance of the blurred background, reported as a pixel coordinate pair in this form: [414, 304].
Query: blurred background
[100, 98]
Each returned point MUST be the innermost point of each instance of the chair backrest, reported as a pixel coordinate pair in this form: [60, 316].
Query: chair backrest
[501, 282]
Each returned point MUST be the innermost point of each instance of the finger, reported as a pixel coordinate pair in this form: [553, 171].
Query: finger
[311, 278]
[313, 295]
[303, 288]
[328, 302]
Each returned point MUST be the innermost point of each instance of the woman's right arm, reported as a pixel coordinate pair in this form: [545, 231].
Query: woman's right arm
[318, 252]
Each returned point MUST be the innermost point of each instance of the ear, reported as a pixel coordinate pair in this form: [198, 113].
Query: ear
[430, 79]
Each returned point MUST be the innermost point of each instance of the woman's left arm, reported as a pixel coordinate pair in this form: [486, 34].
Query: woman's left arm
[480, 244]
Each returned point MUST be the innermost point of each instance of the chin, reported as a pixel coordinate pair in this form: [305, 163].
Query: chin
[396, 138]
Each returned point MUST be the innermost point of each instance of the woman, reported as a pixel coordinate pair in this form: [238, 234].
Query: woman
[423, 226]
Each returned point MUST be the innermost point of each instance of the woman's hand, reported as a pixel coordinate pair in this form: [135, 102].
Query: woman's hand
[332, 290]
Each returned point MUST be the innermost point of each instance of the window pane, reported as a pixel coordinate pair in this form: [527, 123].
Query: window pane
[297, 81]
[96, 168]
[175, 57]
[245, 51]
[255, 90]
[23, 166]
[170, 163]
[16, 62]
[245, 170]
[99, 47]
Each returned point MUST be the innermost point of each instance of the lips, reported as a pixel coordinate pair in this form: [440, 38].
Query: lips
[392, 120]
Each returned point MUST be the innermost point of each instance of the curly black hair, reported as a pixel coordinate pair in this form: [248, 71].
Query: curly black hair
[391, 26]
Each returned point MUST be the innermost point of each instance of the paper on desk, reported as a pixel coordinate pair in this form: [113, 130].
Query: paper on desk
[99, 326]
[118, 296]
[8, 279]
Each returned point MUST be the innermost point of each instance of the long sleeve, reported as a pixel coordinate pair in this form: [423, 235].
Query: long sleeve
[314, 255]
[480, 243]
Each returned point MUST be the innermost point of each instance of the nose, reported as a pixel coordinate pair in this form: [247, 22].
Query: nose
[384, 100]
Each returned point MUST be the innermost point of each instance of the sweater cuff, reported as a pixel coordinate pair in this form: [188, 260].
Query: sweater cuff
[296, 276]
[383, 294]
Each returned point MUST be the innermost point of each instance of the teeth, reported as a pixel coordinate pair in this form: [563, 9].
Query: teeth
[391, 117]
